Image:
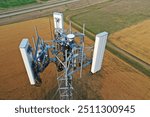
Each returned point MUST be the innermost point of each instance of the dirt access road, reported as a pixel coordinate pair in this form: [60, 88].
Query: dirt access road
[35, 8]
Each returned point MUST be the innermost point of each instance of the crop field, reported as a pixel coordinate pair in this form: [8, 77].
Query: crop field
[115, 15]
[116, 80]
[14, 80]
[134, 40]
[112, 15]
[13, 3]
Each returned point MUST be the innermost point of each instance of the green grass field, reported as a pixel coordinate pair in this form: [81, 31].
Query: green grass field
[13, 3]
[113, 15]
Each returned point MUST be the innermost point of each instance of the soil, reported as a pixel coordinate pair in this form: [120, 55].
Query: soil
[14, 82]
[116, 80]
[134, 40]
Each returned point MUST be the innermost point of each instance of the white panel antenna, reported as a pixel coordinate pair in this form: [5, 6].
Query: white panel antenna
[68, 55]
[99, 49]
[58, 21]
[27, 59]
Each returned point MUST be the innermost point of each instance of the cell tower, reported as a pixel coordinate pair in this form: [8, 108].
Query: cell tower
[67, 51]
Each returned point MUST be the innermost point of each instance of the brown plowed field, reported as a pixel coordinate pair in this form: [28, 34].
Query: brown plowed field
[116, 80]
[135, 40]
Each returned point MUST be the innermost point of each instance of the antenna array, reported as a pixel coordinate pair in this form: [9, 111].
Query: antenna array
[67, 50]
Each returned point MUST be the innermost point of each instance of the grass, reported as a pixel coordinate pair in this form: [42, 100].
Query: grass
[14, 3]
[113, 15]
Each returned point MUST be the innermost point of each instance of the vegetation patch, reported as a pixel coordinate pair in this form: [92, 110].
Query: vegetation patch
[13, 3]
[113, 15]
